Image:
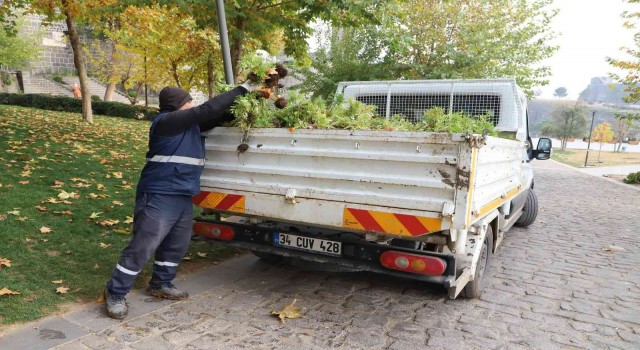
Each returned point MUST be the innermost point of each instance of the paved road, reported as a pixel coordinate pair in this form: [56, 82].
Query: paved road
[571, 280]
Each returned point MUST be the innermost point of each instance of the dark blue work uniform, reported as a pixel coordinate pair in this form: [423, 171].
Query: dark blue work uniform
[163, 212]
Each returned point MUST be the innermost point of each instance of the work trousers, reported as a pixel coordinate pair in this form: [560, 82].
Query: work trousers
[161, 225]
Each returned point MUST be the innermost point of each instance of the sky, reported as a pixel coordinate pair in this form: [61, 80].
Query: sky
[589, 31]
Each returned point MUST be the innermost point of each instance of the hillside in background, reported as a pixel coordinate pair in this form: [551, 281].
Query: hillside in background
[603, 90]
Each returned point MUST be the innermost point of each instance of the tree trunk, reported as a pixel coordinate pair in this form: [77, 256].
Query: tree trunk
[236, 48]
[600, 150]
[78, 61]
[236, 53]
[211, 87]
[108, 93]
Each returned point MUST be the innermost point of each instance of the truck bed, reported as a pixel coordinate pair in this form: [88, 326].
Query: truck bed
[393, 183]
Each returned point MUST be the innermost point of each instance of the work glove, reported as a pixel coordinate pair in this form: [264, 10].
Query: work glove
[251, 85]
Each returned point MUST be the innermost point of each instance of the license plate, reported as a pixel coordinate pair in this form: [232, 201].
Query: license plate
[307, 243]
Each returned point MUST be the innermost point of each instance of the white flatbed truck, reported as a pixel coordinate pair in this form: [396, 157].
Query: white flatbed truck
[427, 206]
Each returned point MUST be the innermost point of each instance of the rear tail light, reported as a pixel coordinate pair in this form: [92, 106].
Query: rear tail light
[215, 231]
[413, 263]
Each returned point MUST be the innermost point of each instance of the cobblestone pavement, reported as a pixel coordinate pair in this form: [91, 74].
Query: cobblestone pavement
[571, 280]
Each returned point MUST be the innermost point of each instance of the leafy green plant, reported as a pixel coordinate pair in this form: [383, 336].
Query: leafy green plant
[304, 113]
[95, 98]
[436, 120]
[58, 79]
[632, 178]
[254, 63]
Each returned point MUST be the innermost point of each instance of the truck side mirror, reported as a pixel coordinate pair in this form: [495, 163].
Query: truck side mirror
[543, 151]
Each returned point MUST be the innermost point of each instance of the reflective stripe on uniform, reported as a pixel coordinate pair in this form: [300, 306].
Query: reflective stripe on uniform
[127, 271]
[165, 263]
[176, 159]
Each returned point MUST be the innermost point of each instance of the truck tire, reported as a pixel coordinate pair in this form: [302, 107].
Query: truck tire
[529, 210]
[268, 257]
[474, 288]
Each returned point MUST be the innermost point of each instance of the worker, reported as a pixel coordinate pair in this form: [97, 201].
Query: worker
[76, 91]
[163, 211]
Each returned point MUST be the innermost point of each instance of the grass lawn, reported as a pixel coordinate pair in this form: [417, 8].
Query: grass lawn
[67, 191]
[575, 158]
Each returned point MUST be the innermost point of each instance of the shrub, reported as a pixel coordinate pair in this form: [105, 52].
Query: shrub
[58, 79]
[633, 178]
[6, 79]
[68, 104]
[95, 98]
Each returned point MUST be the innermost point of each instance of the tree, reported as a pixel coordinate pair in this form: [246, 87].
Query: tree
[567, 121]
[70, 11]
[631, 66]
[168, 42]
[344, 54]
[17, 51]
[417, 39]
[271, 25]
[602, 133]
[624, 121]
[560, 92]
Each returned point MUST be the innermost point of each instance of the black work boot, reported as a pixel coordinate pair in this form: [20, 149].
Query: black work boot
[116, 306]
[167, 291]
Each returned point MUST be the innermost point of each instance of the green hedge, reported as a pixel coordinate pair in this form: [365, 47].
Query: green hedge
[69, 104]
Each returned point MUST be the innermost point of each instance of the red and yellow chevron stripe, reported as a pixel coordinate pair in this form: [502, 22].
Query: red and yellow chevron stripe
[220, 201]
[397, 224]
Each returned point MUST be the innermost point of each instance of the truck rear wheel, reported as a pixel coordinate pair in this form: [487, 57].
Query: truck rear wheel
[529, 210]
[474, 288]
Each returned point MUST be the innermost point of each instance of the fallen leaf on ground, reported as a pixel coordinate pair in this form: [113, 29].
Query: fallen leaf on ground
[117, 203]
[96, 266]
[104, 245]
[613, 249]
[100, 186]
[66, 195]
[57, 183]
[95, 215]
[14, 212]
[56, 281]
[3, 216]
[5, 262]
[117, 175]
[289, 311]
[52, 200]
[101, 299]
[7, 291]
[62, 290]
[26, 182]
[107, 222]
[22, 218]
[128, 220]
[41, 207]
[202, 255]
[121, 231]
[45, 229]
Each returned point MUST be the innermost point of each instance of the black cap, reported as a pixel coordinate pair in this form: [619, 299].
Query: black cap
[172, 98]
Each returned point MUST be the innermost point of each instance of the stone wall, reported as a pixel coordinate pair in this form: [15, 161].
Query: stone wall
[56, 55]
